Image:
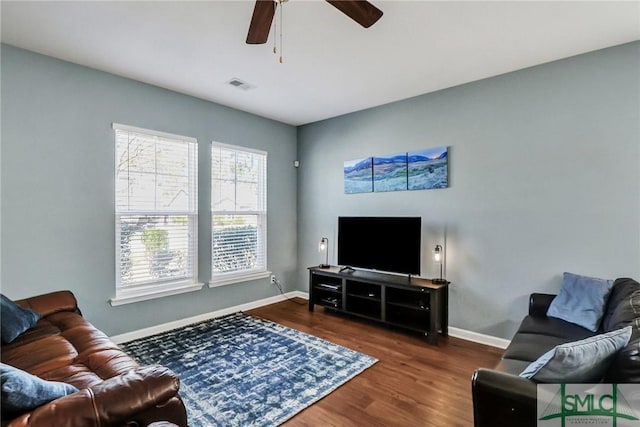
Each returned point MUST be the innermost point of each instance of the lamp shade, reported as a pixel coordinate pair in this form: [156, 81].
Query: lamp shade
[438, 258]
[323, 246]
[437, 254]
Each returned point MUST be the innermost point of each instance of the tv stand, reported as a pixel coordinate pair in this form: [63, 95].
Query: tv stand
[407, 302]
[347, 269]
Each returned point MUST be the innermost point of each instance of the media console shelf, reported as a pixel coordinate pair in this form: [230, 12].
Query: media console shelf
[415, 304]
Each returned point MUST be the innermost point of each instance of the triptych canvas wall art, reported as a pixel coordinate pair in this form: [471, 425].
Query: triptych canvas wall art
[413, 170]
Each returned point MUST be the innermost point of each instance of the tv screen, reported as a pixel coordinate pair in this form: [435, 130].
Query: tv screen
[380, 243]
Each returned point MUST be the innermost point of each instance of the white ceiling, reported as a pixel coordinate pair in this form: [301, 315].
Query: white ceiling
[332, 66]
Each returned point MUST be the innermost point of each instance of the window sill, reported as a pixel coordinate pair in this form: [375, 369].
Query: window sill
[146, 294]
[223, 281]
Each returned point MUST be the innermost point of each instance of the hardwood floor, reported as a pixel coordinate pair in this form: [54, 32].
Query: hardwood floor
[413, 384]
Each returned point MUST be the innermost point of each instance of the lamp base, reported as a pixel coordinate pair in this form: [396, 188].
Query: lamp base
[439, 281]
[324, 266]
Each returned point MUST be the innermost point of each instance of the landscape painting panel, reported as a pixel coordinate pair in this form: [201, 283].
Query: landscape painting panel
[390, 173]
[428, 168]
[358, 176]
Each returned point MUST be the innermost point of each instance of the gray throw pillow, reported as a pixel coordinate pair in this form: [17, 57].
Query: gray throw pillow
[22, 392]
[15, 319]
[583, 361]
[581, 300]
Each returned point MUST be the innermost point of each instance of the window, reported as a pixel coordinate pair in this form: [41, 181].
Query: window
[156, 214]
[238, 214]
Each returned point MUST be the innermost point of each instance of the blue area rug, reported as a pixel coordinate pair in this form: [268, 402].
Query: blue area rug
[240, 370]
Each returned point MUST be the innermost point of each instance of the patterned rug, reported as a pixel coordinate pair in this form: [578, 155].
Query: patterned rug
[240, 370]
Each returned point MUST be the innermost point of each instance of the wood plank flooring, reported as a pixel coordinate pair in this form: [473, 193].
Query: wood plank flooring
[413, 384]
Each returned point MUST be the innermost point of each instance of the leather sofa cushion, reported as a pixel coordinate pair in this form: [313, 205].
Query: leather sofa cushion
[626, 366]
[620, 311]
[77, 374]
[41, 356]
[624, 310]
[537, 335]
[66, 347]
[529, 347]
[43, 329]
[553, 327]
[50, 303]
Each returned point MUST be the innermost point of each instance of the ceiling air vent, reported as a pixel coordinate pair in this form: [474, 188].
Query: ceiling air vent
[236, 82]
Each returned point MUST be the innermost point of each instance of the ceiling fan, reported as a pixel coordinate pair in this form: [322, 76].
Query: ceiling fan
[363, 12]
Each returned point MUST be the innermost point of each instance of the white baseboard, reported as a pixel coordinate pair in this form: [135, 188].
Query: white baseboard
[299, 294]
[478, 338]
[142, 333]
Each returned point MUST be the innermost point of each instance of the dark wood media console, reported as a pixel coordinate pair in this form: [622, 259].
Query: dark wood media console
[416, 304]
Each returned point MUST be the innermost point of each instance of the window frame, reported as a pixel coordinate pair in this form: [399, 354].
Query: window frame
[163, 287]
[223, 279]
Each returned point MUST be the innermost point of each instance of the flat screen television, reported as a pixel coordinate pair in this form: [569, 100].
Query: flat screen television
[380, 243]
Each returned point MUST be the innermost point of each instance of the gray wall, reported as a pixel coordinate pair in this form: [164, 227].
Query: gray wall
[544, 178]
[58, 186]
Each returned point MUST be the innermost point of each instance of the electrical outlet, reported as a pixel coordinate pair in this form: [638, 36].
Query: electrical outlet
[273, 279]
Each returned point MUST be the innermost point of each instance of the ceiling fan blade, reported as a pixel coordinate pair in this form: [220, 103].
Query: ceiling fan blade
[363, 12]
[261, 21]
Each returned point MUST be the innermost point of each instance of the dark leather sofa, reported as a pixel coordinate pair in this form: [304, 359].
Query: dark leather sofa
[113, 389]
[502, 398]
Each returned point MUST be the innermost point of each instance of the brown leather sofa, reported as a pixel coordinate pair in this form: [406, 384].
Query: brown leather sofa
[114, 390]
[502, 398]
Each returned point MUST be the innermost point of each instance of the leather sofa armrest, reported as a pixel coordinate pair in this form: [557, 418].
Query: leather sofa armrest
[51, 303]
[502, 399]
[114, 402]
[539, 304]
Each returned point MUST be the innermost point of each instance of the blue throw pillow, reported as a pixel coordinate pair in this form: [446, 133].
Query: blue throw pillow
[15, 319]
[22, 392]
[583, 361]
[581, 300]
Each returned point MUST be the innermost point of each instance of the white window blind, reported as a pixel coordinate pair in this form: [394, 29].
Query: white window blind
[156, 211]
[238, 212]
